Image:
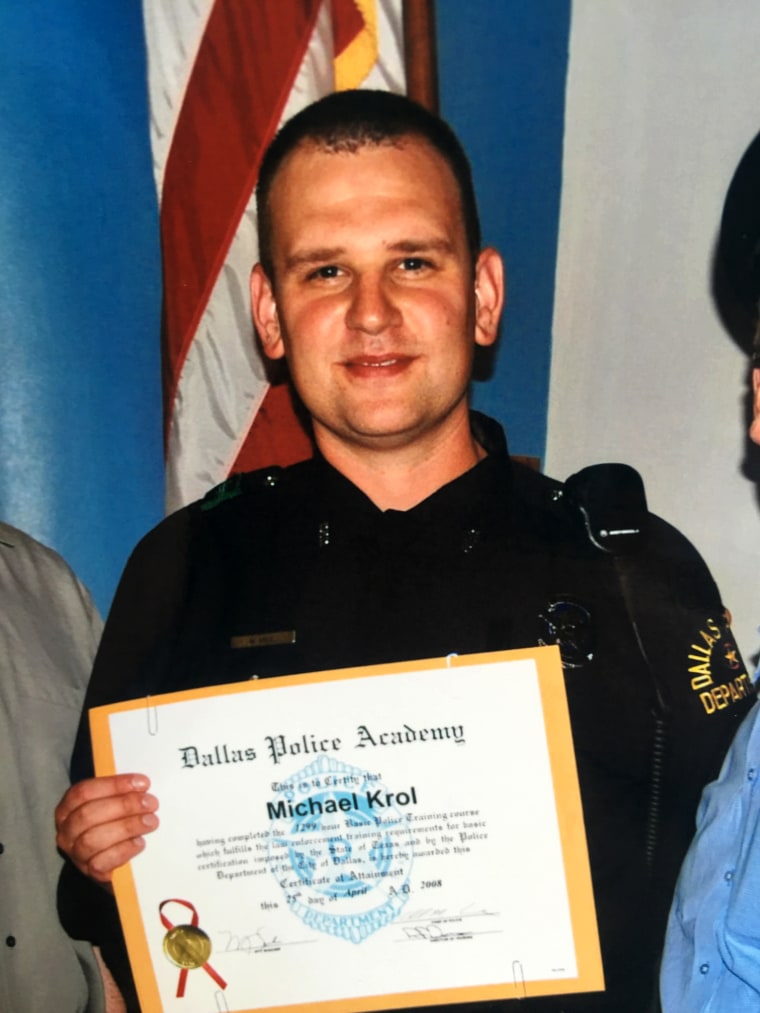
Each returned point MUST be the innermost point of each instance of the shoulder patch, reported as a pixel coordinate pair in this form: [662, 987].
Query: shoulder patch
[715, 667]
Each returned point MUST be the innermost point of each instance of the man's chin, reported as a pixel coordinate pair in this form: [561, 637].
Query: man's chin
[375, 435]
[393, 427]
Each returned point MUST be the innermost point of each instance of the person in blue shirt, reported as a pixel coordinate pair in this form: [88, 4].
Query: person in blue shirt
[711, 961]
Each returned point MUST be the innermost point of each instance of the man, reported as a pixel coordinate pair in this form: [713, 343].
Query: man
[411, 536]
[712, 953]
[49, 630]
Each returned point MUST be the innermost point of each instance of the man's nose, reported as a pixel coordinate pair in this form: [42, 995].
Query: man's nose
[372, 307]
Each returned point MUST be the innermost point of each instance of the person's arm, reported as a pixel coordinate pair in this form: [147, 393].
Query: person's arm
[114, 1000]
[101, 821]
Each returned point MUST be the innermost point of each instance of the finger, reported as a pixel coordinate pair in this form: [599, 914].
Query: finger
[102, 865]
[98, 787]
[103, 821]
[115, 845]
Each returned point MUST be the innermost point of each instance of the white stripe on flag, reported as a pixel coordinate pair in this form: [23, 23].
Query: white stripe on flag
[223, 380]
[388, 73]
[173, 33]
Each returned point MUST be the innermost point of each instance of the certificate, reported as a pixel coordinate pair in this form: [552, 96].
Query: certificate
[366, 839]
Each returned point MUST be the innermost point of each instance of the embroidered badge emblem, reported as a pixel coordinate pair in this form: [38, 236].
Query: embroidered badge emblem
[568, 625]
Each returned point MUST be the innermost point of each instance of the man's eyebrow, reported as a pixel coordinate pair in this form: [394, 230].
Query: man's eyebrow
[430, 245]
[318, 255]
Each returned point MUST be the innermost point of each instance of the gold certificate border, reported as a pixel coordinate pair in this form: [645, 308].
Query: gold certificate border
[569, 818]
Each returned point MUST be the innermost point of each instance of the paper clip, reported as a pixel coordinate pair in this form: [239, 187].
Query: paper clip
[221, 1002]
[519, 979]
[453, 654]
[151, 713]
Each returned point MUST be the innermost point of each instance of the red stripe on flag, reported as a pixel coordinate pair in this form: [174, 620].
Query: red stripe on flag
[347, 23]
[243, 74]
[276, 435]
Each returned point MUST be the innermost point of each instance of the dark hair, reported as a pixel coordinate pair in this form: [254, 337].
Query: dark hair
[351, 120]
[737, 266]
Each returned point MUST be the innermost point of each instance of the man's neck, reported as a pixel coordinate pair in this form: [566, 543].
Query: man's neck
[400, 477]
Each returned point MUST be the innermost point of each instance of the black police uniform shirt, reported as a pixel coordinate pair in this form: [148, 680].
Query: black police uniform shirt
[491, 561]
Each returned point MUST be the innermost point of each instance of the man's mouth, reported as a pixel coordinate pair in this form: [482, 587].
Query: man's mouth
[378, 365]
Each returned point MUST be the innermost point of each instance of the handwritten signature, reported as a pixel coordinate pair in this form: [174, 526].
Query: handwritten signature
[433, 925]
[256, 942]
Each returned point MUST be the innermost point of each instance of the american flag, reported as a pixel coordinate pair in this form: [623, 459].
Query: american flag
[223, 75]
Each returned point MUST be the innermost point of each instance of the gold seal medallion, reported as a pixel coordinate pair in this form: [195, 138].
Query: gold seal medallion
[187, 946]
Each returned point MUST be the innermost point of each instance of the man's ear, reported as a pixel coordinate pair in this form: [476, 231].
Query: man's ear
[265, 318]
[489, 296]
[754, 429]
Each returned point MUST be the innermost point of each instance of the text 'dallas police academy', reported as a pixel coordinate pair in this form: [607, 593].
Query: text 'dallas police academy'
[278, 747]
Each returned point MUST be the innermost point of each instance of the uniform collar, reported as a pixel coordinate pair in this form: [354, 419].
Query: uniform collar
[473, 502]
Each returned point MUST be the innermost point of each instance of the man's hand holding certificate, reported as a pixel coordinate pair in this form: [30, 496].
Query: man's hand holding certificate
[367, 839]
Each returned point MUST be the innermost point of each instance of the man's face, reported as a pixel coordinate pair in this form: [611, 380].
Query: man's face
[374, 301]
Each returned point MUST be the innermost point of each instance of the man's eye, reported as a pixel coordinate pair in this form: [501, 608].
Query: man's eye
[328, 271]
[414, 263]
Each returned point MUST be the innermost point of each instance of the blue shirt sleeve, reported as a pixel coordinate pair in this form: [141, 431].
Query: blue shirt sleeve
[711, 960]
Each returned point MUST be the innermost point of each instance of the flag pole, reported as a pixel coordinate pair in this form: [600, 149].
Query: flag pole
[420, 52]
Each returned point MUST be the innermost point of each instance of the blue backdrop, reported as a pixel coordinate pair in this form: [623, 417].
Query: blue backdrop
[80, 412]
[502, 69]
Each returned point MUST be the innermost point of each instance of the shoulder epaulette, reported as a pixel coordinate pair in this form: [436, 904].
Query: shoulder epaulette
[238, 485]
[229, 489]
